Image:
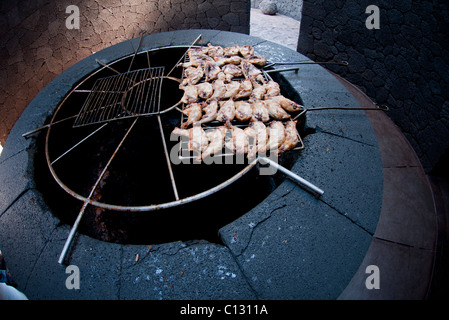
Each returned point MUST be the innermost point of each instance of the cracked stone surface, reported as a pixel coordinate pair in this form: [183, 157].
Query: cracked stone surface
[290, 246]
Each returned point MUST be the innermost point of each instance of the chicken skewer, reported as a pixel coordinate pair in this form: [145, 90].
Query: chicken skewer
[251, 72]
[291, 137]
[221, 61]
[211, 110]
[211, 71]
[231, 71]
[226, 113]
[258, 132]
[232, 89]
[193, 112]
[258, 92]
[257, 60]
[246, 88]
[216, 139]
[205, 90]
[243, 111]
[194, 74]
[246, 51]
[276, 135]
[198, 140]
[286, 103]
[272, 89]
[214, 51]
[231, 51]
[190, 92]
[219, 89]
[239, 142]
[275, 110]
[260, 112]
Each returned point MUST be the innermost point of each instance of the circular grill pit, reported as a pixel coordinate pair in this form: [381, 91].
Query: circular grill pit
[139, 176]
[260, 237]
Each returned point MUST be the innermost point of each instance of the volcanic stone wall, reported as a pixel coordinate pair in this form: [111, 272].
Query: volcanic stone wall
[40, 39]
[403, 64]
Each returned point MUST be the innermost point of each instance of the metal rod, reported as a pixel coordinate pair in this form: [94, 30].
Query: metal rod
[83, 209]
[378, 108]
[342, 63]
[194, 41]
[26, 134]
[76, 145]
[137, 49]
[302, 182]
[281, 70]
[148, 59]
[172, 178]
[106, 66]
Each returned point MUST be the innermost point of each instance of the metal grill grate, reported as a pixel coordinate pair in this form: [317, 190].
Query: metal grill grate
[125, 95]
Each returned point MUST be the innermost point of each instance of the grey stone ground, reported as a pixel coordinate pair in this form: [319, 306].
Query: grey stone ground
[277, 28]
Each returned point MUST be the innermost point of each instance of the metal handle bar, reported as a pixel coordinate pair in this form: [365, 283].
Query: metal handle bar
[317, 192]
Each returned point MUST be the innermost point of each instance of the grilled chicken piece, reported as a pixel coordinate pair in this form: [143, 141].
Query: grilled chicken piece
[258, 92]
[251, 72]
[231, 71]
[216, 141]
[273, 88]
[291, 137]
[231, 51]
[246, 88]
[219, 90]
[239, 142]
[246, 51]
[197, 138]
[243, 111]
[260, 112]
[257, 60]
[275, 110]
[287, 104]
[276, 135]
[232, 89]
[211, 109]
[226, 113]
[205, 90]
[258, 132]
[190, 92]
[193, 113]
[211, 71]
[194, 74]
[193, 53]
[214, 51]
[196, 60]
[222, 60]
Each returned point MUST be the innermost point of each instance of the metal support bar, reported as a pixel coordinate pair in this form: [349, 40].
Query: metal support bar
[26, 134]
[342, 63]
[167, 157]
[107, 66]
[77, 144]
[194, 41]
[83, 209]
[317, 192]
[281, 70]
[137, 49]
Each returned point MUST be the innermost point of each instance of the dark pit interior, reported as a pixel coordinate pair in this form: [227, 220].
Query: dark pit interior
[138, 175]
